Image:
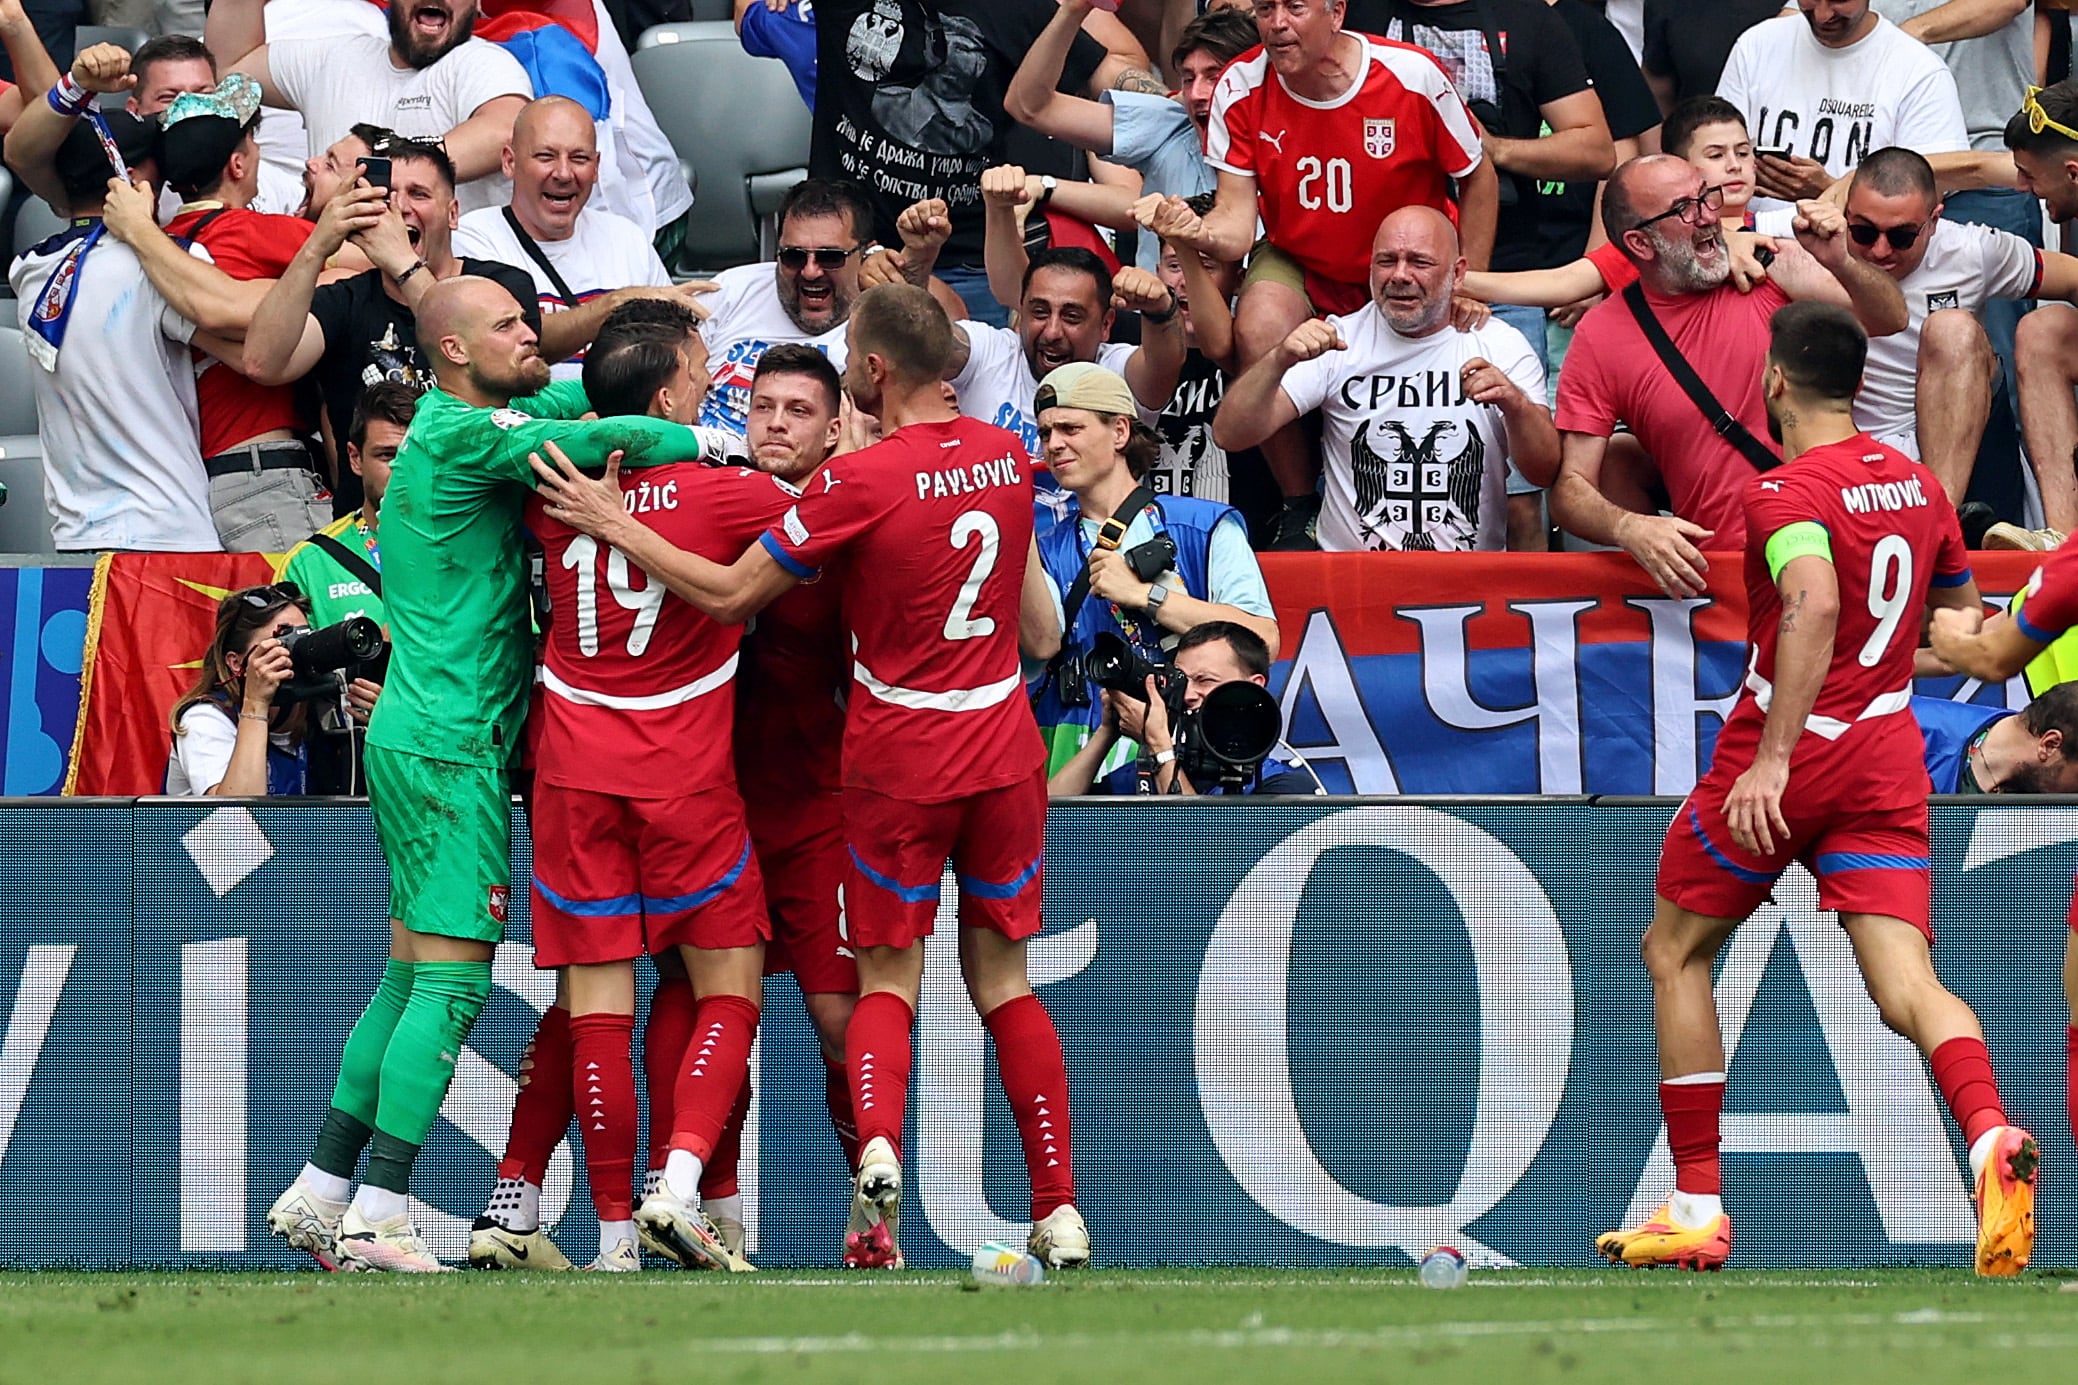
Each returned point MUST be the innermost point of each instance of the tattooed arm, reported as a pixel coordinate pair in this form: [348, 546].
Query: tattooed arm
[1803, 651]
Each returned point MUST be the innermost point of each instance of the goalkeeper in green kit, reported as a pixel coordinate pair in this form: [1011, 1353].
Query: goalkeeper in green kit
[440, 745]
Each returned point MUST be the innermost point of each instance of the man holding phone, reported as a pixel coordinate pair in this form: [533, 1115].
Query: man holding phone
[1824, 88]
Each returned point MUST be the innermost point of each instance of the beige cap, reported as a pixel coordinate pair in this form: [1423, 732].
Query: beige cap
[1085, 385]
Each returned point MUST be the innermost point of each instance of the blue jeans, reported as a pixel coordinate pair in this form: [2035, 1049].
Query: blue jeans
[1997, 480]
[1530, 322]
[970, 282]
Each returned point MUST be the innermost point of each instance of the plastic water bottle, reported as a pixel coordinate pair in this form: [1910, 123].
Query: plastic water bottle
[1443, 1268]
[1000, 1266]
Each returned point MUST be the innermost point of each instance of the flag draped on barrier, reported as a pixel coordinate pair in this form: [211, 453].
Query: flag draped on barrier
[149, 619]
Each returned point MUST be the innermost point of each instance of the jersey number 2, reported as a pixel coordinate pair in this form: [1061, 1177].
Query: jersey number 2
[583, 554]
[960, 623]
[1890, 583]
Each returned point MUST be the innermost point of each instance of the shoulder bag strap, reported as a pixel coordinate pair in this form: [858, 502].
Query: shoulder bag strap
[1110, 535]
[1714, 413]
[353, 562]
[540, 257]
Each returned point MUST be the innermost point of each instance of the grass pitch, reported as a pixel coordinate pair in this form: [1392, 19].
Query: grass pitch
[914, 1329]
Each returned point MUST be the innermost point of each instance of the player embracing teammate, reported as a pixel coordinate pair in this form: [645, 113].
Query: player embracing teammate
[941, 761]
[1821, 762]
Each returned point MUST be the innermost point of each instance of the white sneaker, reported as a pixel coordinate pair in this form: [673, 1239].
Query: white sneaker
[495, 1246]
[690, 1237]
[393, 1245]
[624, 1258]
[873, 1236]
[308, 1223]
[1062, 1241]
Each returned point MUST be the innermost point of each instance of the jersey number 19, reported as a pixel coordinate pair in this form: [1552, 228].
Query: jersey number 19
[647, 603]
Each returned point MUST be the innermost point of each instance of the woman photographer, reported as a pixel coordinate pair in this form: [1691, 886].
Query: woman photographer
[232, 736]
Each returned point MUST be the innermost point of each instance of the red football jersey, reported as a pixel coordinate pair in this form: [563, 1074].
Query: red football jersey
[636, 689]
[1327, 174]
[790, 694]
[1893, 534]
[2050, 606]
[934, 522]
[245, 244]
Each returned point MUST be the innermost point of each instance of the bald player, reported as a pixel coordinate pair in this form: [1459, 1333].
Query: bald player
[585, 259]
[455, 588]
[1395, 378]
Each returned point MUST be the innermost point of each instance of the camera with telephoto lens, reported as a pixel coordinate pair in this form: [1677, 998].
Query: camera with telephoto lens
[321, 657]
[1226, 737]
[1112, 663]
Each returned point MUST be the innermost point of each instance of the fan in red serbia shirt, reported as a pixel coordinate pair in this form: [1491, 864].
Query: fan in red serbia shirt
[1848, 542]
[942, 759]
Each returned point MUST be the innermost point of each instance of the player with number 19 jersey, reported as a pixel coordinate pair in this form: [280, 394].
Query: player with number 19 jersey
[1856, 801]
[935, 523]
[639, 835]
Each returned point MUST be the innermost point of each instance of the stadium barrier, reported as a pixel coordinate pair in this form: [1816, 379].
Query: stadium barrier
[1299, 1034]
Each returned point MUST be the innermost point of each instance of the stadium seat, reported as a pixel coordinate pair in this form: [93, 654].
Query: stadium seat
[24, 524]
[123, 37]
[36, 220]
[723, 10]
[742, 125]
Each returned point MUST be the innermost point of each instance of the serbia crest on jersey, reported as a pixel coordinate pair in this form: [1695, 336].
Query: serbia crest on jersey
[637, 697]
[1893, 534]
[935, 523]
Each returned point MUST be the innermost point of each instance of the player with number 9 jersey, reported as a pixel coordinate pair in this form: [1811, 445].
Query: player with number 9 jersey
[636, 804]
[1857, 805]
[1326, 173]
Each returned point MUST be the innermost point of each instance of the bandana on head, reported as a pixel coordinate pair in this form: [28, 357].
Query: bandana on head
[236, 98]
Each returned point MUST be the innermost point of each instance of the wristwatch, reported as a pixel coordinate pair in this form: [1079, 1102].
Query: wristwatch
[1047, 183]
[1156, 595]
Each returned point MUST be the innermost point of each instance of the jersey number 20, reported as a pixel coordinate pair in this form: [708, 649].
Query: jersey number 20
[583, 554]
[1340, 184]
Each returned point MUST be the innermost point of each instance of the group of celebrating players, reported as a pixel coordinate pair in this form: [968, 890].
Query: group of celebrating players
[887, 579]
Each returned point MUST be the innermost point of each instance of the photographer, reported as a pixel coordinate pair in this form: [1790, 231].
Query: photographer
[1123, 561]
[1214, 655]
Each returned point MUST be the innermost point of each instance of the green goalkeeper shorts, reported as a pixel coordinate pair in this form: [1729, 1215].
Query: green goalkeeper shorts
[446, 831]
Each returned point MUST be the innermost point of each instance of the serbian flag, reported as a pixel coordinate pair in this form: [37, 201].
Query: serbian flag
[150, 616]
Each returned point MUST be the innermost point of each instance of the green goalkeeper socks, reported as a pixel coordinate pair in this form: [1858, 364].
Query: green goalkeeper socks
[352, 1117]
[418, 1065]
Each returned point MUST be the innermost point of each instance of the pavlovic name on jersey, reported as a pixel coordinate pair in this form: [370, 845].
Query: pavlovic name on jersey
[1000, 471]
[1883, 495]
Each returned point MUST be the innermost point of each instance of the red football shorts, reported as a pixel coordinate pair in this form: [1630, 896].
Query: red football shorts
[1867, 861]
[898, 852]
[800, 846]
[617, 878]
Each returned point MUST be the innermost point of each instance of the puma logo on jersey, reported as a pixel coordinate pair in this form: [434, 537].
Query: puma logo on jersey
[1275, 141]
[1775, 486]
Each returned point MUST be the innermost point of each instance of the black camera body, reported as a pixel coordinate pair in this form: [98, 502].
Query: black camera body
[321, 657]
[1112, 663]
[1151, 559]
[1226, 737]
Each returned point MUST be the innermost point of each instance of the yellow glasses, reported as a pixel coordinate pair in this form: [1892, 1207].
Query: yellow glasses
[2038, 119]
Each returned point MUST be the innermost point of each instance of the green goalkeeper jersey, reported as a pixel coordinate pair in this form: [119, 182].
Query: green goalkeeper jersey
[453, 570]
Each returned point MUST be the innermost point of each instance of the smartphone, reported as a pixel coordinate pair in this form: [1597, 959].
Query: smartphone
[1759, 151]
[376, 171]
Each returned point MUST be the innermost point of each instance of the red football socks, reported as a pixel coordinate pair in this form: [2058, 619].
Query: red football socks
[602, 1077]
[1691, 1110]
[877, 1057]
[837, 1093]
[718, 1171]
[541, 1111]
[664, 1041]
[1962, 1070]
[713, 1071]
[1035, 1078]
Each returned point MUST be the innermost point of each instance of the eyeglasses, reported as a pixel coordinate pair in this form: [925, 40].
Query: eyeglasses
[1900, 237]
[826, 257]
[1700, 210]
[2038, 119]
[263, 599]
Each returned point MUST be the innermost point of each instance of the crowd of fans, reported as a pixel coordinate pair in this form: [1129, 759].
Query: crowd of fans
[1436, 275]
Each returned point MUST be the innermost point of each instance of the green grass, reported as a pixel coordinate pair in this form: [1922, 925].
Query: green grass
[1920, 1326]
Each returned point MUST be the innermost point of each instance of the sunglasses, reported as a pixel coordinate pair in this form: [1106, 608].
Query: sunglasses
[275, 597]
[1699, 210]
[2038, 119]
[827, 257]
[1900, 237]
